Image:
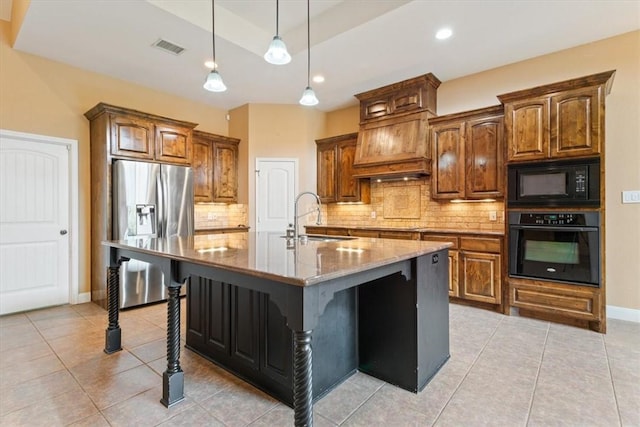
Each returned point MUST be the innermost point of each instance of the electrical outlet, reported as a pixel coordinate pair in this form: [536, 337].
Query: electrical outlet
[493, 216]
[631, 196]
[373, 214]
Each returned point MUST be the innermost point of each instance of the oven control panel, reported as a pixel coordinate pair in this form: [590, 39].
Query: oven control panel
[542, 218]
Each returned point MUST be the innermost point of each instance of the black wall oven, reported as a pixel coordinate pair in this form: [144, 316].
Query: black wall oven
[559, 246]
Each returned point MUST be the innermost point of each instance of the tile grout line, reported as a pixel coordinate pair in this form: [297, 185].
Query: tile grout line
[535, 383]
[613, 384]
[435, 421]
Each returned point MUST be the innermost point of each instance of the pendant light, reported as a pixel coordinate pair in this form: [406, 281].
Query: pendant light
[277, 53]
[308, 96]
[213, 82]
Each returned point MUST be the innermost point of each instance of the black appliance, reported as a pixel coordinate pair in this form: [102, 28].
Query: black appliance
[558, 246]
[554, 184]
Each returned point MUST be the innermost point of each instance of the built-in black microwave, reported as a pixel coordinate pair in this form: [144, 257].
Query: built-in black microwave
[554, 183]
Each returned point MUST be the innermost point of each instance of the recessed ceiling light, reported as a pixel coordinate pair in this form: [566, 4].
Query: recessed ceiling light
[318, 78]
[209, 64]
[444, 33]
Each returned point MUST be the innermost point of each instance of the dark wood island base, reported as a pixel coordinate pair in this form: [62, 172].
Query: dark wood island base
[403, 281]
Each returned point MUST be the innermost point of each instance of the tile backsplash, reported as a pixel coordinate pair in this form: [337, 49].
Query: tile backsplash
[473, 216]
[216, 215]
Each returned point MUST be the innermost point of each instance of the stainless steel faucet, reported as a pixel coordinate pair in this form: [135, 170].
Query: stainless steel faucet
[295, 212]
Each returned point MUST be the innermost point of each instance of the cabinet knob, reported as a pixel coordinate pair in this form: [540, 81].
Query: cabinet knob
[63, 232]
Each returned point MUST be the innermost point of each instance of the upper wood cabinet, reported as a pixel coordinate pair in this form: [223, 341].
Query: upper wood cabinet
[336, 182]
[215, 168]
[137, 135]
[468, 153]
[560, 120]
[405, 97]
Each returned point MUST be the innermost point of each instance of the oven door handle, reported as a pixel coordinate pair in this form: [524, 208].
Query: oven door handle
[552, 228]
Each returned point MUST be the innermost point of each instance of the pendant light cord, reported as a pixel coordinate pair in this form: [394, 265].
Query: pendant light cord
[277, 14]
[308, 47]
[213, 33]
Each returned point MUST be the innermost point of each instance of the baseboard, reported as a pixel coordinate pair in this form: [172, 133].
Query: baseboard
[622, 313]
[84, 297]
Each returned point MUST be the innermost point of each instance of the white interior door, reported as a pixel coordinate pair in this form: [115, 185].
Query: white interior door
[34, 224]
[275, 192]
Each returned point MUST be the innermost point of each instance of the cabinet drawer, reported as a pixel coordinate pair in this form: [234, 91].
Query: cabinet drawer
[404, 235]
[364, 233]
[577, 302]
[480, 244]
[441, 238]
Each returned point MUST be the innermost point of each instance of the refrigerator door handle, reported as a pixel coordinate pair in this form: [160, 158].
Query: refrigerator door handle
[161, 218]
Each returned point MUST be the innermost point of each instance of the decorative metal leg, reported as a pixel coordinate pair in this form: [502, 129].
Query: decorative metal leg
[173, 377]
[302, 385]
[113, 336]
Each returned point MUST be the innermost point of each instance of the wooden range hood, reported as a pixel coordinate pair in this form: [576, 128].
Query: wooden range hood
[393, 141]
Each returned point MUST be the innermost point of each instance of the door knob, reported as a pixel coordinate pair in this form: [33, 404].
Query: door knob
[63, 232]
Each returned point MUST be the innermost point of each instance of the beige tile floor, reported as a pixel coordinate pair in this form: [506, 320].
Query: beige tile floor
[503, 371]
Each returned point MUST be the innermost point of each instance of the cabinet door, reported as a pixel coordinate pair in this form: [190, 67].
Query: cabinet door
[447, 181]
[577, 128]
[527, 127]
[225, 172]
[327, 169]
[453, 273]
[277, 343]
[245, 326]
[481, 280]
[196, 313]
[348, 187]
[484, 158]
[374, 108]
[173, 144]
[131, 137]
[217, 317]
[202, 170]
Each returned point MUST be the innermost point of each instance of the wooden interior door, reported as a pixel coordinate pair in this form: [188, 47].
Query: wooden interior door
[34, 224]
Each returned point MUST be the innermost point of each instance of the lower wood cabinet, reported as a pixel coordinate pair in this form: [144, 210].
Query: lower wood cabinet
[245, 332]
[570, 301]
[475, 267]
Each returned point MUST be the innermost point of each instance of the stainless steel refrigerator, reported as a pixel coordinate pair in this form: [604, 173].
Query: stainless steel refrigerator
[149, 200]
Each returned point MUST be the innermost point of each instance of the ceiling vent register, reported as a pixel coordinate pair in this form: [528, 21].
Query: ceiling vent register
[169, 47]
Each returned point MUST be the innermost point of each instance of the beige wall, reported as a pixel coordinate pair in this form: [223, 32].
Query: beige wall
[45, 97]
[622, 150]
[279, 131]
[343, 121]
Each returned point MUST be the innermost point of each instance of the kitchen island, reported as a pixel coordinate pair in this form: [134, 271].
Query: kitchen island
[402, 302]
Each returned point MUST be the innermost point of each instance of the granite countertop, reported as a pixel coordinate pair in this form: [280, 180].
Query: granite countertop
[266, 255]
[415, 229]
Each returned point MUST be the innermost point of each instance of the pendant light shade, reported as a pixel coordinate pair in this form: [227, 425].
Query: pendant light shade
[213, 82]
[308, 96]
[277, 53]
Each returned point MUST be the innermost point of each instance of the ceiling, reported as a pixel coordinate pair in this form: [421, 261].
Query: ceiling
[357, 45]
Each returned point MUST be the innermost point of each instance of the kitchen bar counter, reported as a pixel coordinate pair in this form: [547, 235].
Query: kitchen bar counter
[401, 283]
